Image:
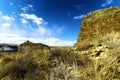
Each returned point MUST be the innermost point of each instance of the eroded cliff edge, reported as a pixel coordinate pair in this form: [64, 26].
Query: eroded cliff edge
[98, 23]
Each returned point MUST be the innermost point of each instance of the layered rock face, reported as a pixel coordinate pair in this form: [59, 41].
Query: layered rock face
[98, 23]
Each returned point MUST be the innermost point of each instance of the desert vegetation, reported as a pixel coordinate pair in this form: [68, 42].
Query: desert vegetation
[92, 58]
[65, 63]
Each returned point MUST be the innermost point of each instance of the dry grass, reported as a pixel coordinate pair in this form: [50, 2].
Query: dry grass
[63, 54]
[107, 67]
[64, 63]
[85, 44]
[18, 67]
[110, 40]
[5, 60]
[65, 72]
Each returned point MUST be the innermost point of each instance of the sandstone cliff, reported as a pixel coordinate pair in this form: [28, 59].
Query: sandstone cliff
[99, 23]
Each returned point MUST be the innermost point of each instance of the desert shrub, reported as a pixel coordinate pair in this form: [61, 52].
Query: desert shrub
[64, 61]
[77, 71]
[85, 45]
[106, 67]
[68, 56]
[6, 59]
[19, 67]
[65, 72]
[110, 40]
[62, 54]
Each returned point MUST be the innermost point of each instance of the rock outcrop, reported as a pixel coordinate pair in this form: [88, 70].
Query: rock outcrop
[98, 23]
[32, 47]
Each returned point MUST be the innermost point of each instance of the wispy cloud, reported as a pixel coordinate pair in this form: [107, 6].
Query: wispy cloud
[107, 2]
[79, 17]
[6, 25]
[32, 17]
[8, 18]
[24, 21]
[27, 7]
[17, 39]
[12, 31]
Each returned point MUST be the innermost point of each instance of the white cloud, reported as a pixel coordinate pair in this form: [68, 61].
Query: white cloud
[17, 39]
[24, 9]
[27, 7]
[12, 31]
[107, 2]
[8, 18]
[6, 24]
[40, 30]
[11, 38]
[24, 21]
[79, 17]
[56, 41]
[32, 17]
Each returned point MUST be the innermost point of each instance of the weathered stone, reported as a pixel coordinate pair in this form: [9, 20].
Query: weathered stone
[98, 23]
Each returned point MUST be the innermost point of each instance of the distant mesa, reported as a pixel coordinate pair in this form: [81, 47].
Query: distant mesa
[98, 23]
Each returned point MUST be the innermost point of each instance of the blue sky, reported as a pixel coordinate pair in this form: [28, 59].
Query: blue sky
[52, 22]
